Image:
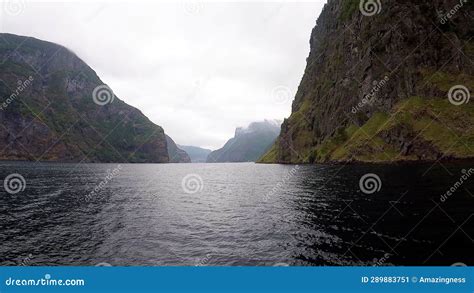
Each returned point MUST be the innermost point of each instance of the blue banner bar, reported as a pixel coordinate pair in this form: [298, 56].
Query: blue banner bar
[237, 279]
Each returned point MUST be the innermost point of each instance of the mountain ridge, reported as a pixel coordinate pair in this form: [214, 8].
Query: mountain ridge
[248, 144]
[65, 112]
[197, 154]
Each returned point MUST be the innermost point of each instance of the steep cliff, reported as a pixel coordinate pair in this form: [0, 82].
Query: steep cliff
[248, 144]
[384, 81]
[55, 108]
[176, 154]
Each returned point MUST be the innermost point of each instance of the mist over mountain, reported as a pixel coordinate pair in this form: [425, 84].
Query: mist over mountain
[197, 154]
[248, 144]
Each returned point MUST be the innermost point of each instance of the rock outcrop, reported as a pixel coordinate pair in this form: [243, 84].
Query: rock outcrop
[55, 108]
[386, 81]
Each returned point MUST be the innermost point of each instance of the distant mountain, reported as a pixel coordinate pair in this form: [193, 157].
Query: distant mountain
[248, 144]
[176, 154]
[197, 154]
[54, 107]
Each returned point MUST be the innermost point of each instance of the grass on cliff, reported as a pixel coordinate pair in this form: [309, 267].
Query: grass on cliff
[434, 122]
[298, 122]
[443, 81]
[271, 156]
[361, 143]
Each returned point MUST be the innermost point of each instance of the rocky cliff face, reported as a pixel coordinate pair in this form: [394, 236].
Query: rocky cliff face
[248, 144]
[55, 108]
[376, 85]
[176, 154]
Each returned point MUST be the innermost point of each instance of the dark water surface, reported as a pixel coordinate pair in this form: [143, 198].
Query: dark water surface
[239, 214]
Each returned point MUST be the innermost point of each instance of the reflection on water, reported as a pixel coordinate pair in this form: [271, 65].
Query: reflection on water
[234, 214]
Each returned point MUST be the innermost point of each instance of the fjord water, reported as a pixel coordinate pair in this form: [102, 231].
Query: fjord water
[241, 214]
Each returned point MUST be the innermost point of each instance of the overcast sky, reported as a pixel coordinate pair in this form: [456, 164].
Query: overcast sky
[199, 69]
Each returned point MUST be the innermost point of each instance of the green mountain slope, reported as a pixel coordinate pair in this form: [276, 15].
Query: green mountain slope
[55, 108]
